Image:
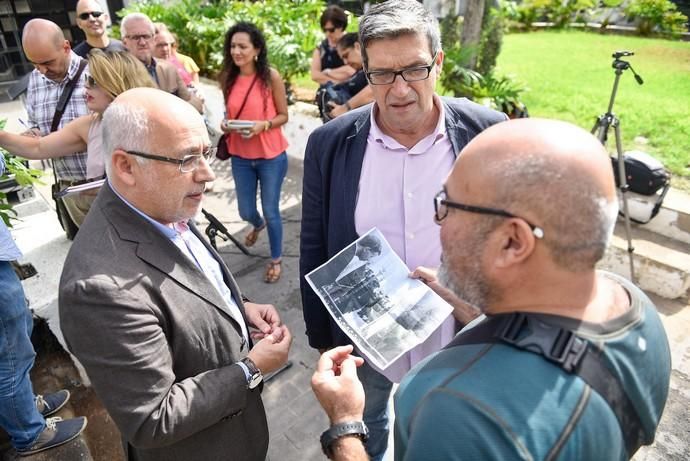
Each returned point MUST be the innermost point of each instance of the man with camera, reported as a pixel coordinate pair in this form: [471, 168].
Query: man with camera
[379, 166]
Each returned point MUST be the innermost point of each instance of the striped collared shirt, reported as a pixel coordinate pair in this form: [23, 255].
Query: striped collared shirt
[41, 101]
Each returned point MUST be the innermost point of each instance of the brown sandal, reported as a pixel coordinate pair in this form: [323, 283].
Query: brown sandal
[253, 235]
[273, 271]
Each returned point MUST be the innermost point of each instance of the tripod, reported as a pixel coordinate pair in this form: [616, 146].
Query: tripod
[216, 228]
[601, 129]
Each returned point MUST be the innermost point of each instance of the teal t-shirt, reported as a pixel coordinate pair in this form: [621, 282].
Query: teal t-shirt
[496, 402]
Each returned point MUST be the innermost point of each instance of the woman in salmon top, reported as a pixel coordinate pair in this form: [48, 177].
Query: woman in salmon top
[255, 92]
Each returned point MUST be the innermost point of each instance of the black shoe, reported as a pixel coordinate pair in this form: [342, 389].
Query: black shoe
[56, 433]
[51, 403]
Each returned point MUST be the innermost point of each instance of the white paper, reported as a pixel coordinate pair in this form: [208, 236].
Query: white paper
[373, 299]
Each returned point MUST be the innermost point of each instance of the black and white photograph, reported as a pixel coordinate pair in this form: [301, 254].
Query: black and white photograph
[367, 289]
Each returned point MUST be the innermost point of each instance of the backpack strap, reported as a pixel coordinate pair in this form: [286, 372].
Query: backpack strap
[568, 351]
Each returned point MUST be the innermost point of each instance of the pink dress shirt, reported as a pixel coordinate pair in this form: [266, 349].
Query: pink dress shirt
[396, 190]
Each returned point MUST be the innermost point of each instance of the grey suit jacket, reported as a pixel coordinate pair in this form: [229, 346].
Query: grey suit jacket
[158, 342]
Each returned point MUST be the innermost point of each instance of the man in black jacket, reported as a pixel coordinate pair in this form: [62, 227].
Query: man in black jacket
[380, 166]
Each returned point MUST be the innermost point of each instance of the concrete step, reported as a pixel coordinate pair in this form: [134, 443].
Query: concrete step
[662, 264]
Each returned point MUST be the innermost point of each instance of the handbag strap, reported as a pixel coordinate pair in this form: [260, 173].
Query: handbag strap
[62, 104]
[246, 95]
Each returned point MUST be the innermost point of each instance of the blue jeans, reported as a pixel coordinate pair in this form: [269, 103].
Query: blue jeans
[18, 414]
[377, 391]
[270, 174]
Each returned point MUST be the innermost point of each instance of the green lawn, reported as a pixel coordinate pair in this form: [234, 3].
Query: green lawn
[569, 77]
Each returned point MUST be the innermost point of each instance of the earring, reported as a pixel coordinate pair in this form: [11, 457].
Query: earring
[256, 57]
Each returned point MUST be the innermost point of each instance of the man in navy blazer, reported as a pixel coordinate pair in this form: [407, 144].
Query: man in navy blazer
[379, 166]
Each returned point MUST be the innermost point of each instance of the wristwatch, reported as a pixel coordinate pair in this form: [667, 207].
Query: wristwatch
[255, 376]
[339, 430]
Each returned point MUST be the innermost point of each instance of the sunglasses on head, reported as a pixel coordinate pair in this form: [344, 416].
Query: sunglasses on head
[329, 29]
[85, 15]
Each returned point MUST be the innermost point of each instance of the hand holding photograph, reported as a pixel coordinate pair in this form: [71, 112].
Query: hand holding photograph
[367, 290]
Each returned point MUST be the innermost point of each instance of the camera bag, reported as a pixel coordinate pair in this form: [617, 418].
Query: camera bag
[644, 175]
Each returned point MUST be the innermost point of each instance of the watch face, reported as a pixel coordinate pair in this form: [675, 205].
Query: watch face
[255, 380]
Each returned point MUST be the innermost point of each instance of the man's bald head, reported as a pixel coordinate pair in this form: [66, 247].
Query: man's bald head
[552, 173]
[45, 46]
[149, 115]
[43, 32]
[88, 5]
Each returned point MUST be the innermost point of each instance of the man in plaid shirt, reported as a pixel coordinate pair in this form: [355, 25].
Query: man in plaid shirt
[55, 65]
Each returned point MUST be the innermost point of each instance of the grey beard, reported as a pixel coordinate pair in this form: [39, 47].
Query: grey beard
[472, 289]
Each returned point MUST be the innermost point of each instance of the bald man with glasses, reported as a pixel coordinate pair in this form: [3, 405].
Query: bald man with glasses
[172, 347]
[569, 363]
[380, 166]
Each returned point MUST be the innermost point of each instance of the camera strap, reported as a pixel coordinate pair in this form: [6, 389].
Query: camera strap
[568, 351]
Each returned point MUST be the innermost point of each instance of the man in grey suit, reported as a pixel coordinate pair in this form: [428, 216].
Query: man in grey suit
[150, 309]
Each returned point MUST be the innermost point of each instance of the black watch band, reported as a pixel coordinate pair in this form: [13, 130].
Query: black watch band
[255, 376]
[339, 430]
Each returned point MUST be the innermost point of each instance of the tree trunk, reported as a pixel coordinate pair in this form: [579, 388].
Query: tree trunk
[472, 30]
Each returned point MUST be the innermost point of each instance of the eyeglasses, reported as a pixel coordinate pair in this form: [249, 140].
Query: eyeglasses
[186, 164]
[136, 38]
[329, 30]
[441, 205]
[85, 15]
[410, 74]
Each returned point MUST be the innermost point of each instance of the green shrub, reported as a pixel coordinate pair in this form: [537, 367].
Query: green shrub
[559, 12]
[493, 25]
[656, 16]
[22, 174]
[291, 28]
[498, 92]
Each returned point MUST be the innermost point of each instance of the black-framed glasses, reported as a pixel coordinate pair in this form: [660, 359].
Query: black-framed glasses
[441, 205]
[136, 38]
[329, 30]
[85, 15]
[186, 164]
[409, 74]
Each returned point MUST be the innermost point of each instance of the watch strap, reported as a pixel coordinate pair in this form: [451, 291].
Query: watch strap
[339, 430]
[255, 374]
